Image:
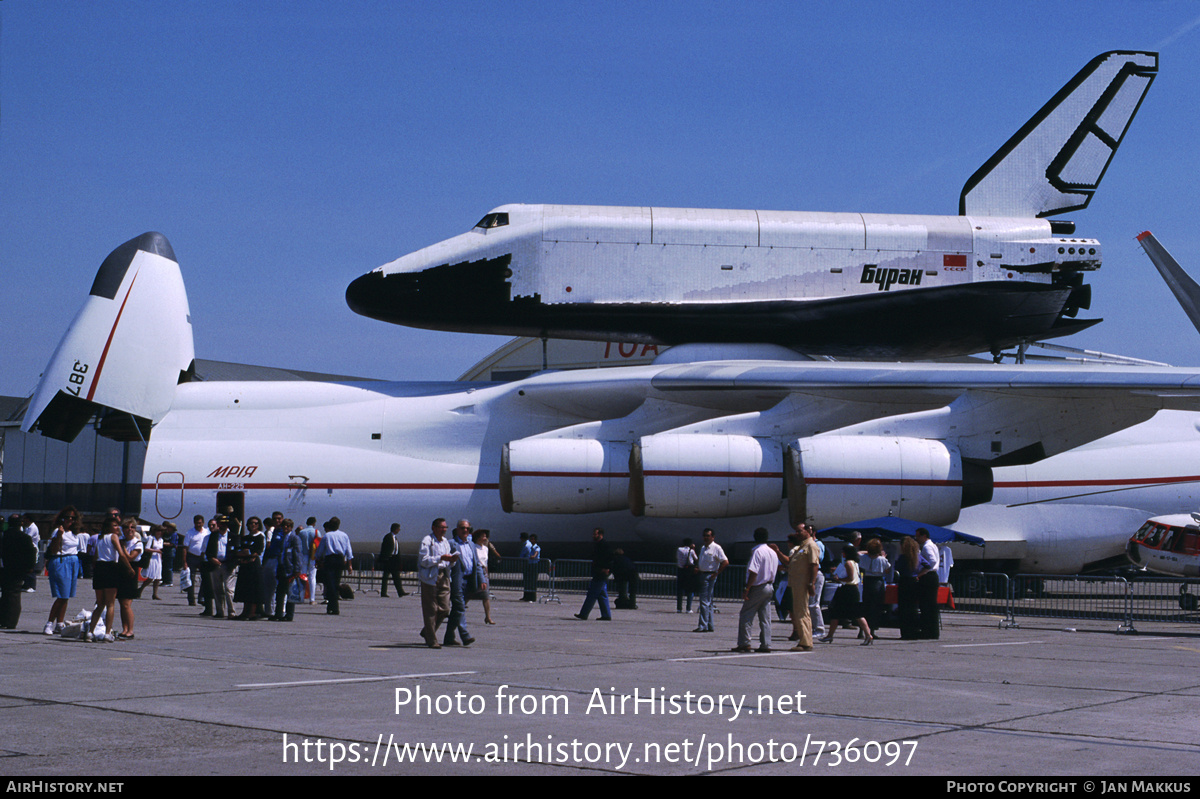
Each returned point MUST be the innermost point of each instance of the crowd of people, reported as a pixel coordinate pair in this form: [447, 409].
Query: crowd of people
[267, 568]
[793, 584]
[270, 567]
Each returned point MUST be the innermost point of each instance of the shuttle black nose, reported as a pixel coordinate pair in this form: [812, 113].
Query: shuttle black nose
[404, 298]
[435, 295]
[364, 294]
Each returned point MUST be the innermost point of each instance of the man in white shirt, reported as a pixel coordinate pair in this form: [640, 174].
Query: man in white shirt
[196, 541]
[711, 561]
[756, 597]
[31, 530]
[927, 585]
[433, 572]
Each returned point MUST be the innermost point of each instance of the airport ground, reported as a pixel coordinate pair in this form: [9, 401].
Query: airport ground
[540, 693]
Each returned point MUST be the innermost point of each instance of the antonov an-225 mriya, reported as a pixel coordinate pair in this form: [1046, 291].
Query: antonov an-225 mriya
[735, 437]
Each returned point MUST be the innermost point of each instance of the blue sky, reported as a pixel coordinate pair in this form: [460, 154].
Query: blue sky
[286, 148]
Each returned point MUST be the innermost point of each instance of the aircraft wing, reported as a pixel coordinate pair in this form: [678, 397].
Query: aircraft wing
[843, 377]
[897, 433]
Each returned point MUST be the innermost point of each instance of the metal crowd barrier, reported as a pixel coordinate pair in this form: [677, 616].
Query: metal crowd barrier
[654, 580]
[1119, 599]
[550, 578]
[506, 574]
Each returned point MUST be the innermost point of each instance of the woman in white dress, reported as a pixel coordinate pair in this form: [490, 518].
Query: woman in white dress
[152, 574]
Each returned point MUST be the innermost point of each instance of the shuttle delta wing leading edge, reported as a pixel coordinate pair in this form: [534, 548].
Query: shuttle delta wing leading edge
[126, 350]
[841, 284]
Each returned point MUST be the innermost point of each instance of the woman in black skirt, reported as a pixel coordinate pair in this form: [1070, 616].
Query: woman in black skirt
[846, 602]
[127, 583]
[112, 563]
[248, 588]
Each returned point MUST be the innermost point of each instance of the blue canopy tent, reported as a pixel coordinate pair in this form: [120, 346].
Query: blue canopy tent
[891, 528]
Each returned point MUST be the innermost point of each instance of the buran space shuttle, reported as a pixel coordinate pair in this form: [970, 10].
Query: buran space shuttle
[838, 284]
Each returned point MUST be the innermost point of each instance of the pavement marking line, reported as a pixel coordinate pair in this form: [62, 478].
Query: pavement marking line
[1005, 643]
[354, 679]
[736, 656]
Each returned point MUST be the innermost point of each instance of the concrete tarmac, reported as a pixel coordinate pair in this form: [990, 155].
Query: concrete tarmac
[542, 692]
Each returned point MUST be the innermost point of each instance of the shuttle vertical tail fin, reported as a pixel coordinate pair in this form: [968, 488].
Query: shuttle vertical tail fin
[1054, 163]
[126, 350]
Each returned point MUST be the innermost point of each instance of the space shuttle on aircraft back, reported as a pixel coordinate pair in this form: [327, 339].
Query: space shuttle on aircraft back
[841, 284]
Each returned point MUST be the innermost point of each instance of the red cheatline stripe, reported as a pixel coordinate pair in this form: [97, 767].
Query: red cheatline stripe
[571, 474]
[685, 473]
[108, 343]
[1145, 481]
[863, 481]
[323, 486]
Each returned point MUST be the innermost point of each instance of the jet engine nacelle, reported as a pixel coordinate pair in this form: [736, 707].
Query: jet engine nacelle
[705, 476]
[563, 475]
[838, 479]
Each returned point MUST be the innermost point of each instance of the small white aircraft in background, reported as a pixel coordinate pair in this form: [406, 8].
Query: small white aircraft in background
[730, 436]
[838, 284]
[1168, 545]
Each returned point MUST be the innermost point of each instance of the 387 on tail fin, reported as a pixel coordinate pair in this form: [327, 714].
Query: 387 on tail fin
[125, 351]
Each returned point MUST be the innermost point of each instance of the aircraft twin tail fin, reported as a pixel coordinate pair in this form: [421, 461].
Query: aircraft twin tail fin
[1054, 163]
[126, 350]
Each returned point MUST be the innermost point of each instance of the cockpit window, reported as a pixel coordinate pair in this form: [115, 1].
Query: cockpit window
[493, 220]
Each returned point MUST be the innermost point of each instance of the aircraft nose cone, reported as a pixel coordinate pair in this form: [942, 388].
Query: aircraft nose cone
[431, 296]
[1131, 550]
[364, 294]
[402, 298]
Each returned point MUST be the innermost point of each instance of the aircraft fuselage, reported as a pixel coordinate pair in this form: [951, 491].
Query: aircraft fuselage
[377, 453]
